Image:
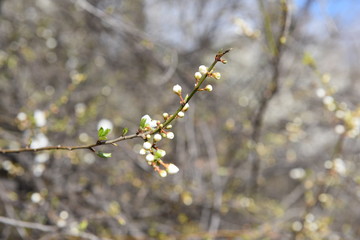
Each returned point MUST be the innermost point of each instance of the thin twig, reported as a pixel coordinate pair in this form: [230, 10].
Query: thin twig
[71, 148]
[31, 225]
[271, 89]
[122, 138]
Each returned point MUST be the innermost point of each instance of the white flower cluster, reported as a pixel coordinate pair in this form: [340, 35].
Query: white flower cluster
[157, 130]
[152, 153]
[349, 120]
[203, 70]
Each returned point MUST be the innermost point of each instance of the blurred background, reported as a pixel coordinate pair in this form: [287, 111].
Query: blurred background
[271, 153]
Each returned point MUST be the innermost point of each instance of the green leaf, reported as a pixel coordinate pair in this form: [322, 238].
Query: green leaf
[83, 225]
[100, 132]
[125, 131]
[308, 60]
[103, 155]
[103, 133]
[142, 123]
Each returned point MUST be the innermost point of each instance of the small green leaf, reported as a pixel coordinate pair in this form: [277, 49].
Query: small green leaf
[104, 155]
[157, 155]
[308, 60]
[125, 131]
[103, 133]
[100, 132]
[142, 123]
[83, 225]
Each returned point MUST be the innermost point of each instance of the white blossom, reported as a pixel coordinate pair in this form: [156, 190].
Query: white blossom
[21, 116]
[339, 166]
[203, 69]
[142, 151]
[320, 92]
[208, 88]
[150, 157]
[186, 107]
[40, 140]
[40, 118]
[170, 135]
[157, 137]
[181, 114]
[177, 89]
[197, 75]
[216, 75]
[297, 173]
[147, 145]
[105, 124]
[172, 169]
[162, 173]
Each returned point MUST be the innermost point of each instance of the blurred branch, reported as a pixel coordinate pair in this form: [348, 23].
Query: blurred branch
[44, 228]
[31, 225]
[272, 88]
[122, 27]
[9, 209]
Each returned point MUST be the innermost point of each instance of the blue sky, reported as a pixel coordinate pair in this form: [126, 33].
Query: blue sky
[345, 11]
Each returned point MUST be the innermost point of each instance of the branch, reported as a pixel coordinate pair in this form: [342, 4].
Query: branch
[276, 46]
[71, 148]
[31, 225]
[45, 228]
[139, 134]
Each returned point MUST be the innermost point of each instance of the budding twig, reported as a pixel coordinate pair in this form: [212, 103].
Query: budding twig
[91, 147]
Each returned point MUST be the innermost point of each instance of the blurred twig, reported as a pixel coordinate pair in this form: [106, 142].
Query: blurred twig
[276, 48]
[31, 225]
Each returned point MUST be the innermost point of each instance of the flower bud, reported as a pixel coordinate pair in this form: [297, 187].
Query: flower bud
[165, 115]
[181, 114]
[153, 124]
[148, 136]
[157, 137]
[161, 153]
[203, 69]
[147, 145]
[177, 89]
[186, 107]
[208, 88]
[168, 127]
[162, 173]
[197, 75]
[170, 135]
[150, 157]
[142, 151]
[216, 75]
[172, 169]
